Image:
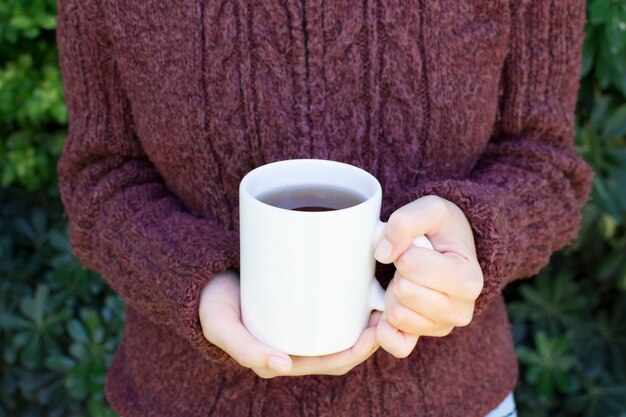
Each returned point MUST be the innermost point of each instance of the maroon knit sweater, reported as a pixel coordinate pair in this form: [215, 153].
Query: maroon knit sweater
[172, 103]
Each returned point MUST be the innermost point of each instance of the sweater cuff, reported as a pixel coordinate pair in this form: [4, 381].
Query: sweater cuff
[227, 257]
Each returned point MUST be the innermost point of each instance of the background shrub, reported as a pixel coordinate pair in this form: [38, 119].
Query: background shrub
[59, 323]
[570, 321]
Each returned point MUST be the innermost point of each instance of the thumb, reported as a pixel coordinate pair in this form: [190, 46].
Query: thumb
[250, 352]
[220, 318]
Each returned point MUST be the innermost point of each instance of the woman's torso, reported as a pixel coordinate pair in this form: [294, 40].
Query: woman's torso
[405, 90]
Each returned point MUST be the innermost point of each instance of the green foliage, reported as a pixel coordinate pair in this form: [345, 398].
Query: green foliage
[570, 321]
[605, 44]
[46, 296]
[59, 323]
[32, 110]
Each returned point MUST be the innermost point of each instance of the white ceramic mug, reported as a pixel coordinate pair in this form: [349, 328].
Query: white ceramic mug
[307, 278]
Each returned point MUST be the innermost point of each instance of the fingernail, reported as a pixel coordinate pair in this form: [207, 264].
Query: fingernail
[383, 251]
[279, 364]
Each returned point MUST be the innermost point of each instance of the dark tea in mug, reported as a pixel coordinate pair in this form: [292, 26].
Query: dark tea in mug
[312, 197]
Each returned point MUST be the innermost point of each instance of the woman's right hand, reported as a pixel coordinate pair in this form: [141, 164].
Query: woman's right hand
[220, 317]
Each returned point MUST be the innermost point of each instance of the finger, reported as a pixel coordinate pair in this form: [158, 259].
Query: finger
[265, 374]
[231, 336]
[409, 321]
[373, 322]
[345, 370]
[434, 305]
[448, 272]
[441, 332]
[327, 364]
[421, 217]
[394, 341]
[374, 318]
[311, 365]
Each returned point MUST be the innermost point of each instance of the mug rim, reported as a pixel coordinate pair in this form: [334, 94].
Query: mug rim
[244, 191]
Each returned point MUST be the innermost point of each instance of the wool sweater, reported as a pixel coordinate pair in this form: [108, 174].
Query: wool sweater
[172, 103]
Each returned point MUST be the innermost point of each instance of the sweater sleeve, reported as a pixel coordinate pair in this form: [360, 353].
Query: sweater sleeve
[124, 221]
[524, 195]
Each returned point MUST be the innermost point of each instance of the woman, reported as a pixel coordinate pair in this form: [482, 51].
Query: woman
[462, 109]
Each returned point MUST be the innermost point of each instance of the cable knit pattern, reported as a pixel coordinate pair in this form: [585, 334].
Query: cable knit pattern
[172, 103]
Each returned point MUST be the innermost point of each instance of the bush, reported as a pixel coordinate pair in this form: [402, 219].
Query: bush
[32, 111]
[570, 321]
[59, 323]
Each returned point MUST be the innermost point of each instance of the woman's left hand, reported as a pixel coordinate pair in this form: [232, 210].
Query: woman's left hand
[432, 291]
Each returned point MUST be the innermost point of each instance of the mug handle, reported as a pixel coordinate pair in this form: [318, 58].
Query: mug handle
[377, 293]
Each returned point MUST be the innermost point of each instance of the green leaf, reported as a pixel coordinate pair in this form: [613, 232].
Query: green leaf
[30, 382]
[31, 353]
[79, 351]
[57, 318]
[563, 381]
[533, 374]
[9, 354]
[39, 220]
[76, 387]
[91, 320]
[545, 385]
[604, 68]
[45, 394]
[96, 408]
[527, 355]
[608, 227]
[604, 199]
[619, 81]
[77, 331]
[22, 338]
[22, 22]
[543, 344]
[41, 296]
[27, 308]
[24, 228]
[598, 114]
[532, 295]
[615, 124]
[619, 156]
[617, 177]
[59, 363]
[47, 21]
[589, 50]
[59, 241]
[617, 29]
[600, 11]
[10, 321]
